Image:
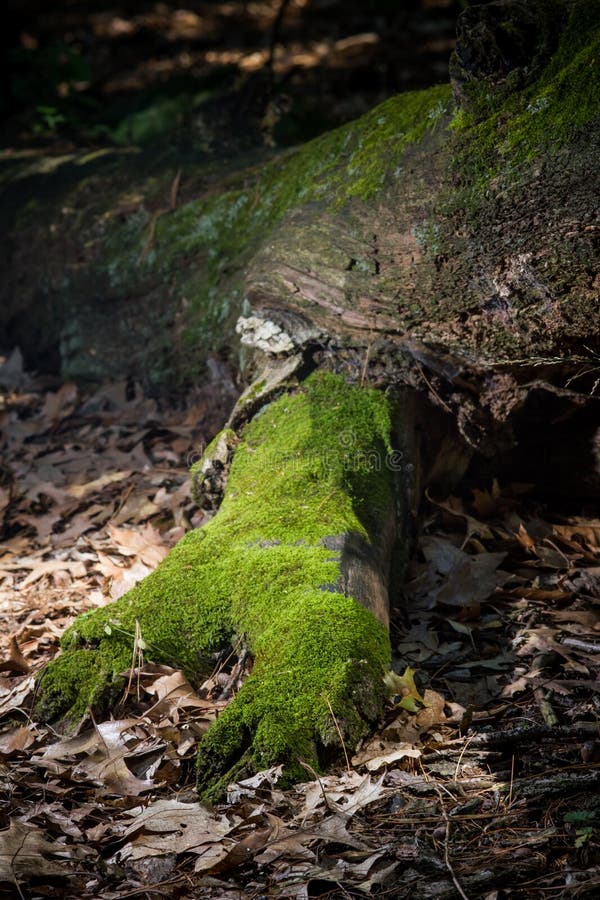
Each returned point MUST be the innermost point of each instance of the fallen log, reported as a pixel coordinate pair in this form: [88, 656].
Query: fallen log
[437, 266]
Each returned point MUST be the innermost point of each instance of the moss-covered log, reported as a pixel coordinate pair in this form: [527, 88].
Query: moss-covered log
[457, 239]
[295, 564]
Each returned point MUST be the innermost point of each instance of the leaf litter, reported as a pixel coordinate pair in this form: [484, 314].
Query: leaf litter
[482, 779]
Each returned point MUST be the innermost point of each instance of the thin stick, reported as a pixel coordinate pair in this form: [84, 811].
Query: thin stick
[363, 374]
[446, 843]
[459, 760]
[431, 388]
[315, 775]
[150, 239]
[512, 779]
[137, 662]
[339, 731]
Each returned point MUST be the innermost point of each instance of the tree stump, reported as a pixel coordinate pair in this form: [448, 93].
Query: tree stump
[442, 249]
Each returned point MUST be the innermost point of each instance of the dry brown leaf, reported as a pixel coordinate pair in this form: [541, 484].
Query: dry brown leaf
[47, 567]
[541, 595]
[16, 739]
[334, 829]
[145, 543]
[80, 490]
[524, 539]
[433, 712]
[517, 686]
[78, 525]
[15, 696]
[99, 756]
[542, 638]
[43, 525]
[485, 502]
[21, 854]
[174, 692]
[62, 403]
[588, 618]
[47, 489]
[169, 826]
[380, 877]
[219, 860]
[457, 578]
[249, 786]
[124, 579]
[328, 787]
[394, 753]
[454, 506]
[588, 529]
[348, 802]
[137, 508]
[212, 858]
[16, 662]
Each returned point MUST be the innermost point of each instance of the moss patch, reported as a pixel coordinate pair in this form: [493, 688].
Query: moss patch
[504, 137]
[260, 569]
[221, 230]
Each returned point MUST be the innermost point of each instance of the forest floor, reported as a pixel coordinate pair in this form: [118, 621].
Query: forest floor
[481, 781]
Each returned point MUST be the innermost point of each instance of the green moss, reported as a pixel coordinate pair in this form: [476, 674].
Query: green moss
[356, 159]
[79, 680]
[160, 116]
[318, 662]
[221, 230]
[310, 466]
[540, 119]
[254, 391]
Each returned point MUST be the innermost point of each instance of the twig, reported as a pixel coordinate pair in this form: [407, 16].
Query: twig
[431, 387]
[123, 500]
[97, 730]
[559, 551]
[532, 733]
[339, 731]
[156, 216]
[17, 885]
[446, 843]
[315, 775]
[581, 645]
[234, 650]
[512, 780]
[363, 374]
[137, 661]
[228, 688]
[459, 760]
[154, 888]
[150, 239]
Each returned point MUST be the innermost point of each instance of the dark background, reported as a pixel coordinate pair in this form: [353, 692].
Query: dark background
[75, 71]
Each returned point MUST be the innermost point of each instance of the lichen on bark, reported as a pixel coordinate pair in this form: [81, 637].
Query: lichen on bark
[310, 472]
